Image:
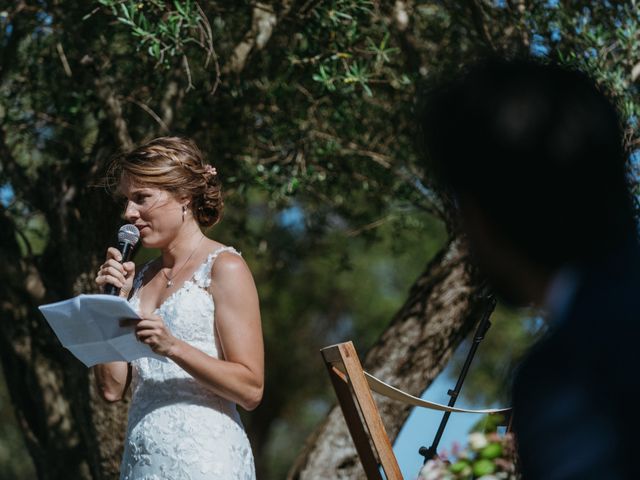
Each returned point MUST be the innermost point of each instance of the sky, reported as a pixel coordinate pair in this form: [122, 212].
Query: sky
[6, 195]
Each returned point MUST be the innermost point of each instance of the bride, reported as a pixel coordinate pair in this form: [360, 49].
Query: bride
[199, 310]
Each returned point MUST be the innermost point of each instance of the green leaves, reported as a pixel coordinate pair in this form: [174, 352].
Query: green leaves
[483, 467]
[164, 29]
[603, 40]
[491, 451]
[351, 49]
[484, 456]
[357, 73]
[382, 52]
[325, 78]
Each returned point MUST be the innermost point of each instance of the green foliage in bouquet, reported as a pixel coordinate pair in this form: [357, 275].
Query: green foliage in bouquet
[487, 456]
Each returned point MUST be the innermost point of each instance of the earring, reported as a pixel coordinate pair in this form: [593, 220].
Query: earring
[184, 211]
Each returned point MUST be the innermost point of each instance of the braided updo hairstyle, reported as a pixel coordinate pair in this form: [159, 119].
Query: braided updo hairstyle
[176, 165]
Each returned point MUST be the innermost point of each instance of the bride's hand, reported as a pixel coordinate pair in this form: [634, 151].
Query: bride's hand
[112, 272]
[152, 331]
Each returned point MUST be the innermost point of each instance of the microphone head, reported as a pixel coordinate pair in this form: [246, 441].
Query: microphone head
[128, 234]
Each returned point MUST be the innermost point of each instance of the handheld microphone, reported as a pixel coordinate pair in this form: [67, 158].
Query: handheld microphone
[128, 237]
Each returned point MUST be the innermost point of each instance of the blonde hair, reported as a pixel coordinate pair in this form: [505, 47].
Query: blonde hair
[176, 165]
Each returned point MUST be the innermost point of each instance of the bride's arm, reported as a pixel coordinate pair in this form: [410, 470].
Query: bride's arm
[112, 380]
[240, 376]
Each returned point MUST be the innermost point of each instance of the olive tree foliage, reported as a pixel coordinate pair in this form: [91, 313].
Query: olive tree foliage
[600, 38]
[300, 104]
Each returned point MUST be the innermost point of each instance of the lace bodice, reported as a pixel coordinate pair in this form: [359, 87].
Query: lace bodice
[178, 428]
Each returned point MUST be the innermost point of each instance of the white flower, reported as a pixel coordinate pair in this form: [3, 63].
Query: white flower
[477, 441]
[433, 470]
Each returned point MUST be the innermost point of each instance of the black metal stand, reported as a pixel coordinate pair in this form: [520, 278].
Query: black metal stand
[483, 326]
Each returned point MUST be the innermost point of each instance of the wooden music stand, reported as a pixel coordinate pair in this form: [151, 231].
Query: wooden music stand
[360, 412]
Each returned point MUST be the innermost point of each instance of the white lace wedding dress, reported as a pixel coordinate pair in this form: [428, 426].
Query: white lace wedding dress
[178, 429]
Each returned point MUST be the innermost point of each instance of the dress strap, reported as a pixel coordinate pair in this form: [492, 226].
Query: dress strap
[202, 276]
[137, 280]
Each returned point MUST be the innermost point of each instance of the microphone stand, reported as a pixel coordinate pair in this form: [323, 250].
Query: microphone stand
[481, 330]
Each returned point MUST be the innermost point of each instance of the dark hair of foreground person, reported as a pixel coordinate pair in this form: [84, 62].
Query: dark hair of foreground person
[532, 156]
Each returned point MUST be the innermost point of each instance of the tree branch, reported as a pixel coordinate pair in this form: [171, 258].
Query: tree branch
[8, 53]
[163, 126]
[480, 24]
[519, 9]
[14, 172]
[263, 22]
[401, 21]
[113, 108]
[207, 35]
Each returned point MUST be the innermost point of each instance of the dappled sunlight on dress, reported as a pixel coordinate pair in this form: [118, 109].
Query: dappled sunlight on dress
[178, 429]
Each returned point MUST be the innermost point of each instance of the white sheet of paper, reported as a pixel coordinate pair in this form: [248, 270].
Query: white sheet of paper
[89, 327]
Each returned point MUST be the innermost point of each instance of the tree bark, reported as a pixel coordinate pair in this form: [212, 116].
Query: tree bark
[69, 431]
[35, 382]
[443, 306]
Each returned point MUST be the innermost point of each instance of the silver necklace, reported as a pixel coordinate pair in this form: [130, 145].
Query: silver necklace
[170, 278]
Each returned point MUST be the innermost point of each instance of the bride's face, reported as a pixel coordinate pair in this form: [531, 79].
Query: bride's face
[155, 212]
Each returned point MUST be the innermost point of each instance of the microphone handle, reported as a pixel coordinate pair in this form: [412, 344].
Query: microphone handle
[125, 249]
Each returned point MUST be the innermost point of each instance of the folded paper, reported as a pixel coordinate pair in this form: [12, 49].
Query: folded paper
[89, 326]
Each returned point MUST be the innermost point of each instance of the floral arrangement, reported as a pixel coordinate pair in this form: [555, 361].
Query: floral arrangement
[489, 456]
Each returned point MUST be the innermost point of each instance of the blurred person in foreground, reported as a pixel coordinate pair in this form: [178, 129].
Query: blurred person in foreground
[533, 157]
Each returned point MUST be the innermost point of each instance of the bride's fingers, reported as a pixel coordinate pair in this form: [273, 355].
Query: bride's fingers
[151, 317]
[103, 280]
[146, 325]
[129, 267]
[113, 272]
[114, 253]
[114, 265]
[104, 277]
[148, 337]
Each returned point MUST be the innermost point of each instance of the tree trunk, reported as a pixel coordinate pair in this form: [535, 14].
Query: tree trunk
[69, 431]
[443, 306]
